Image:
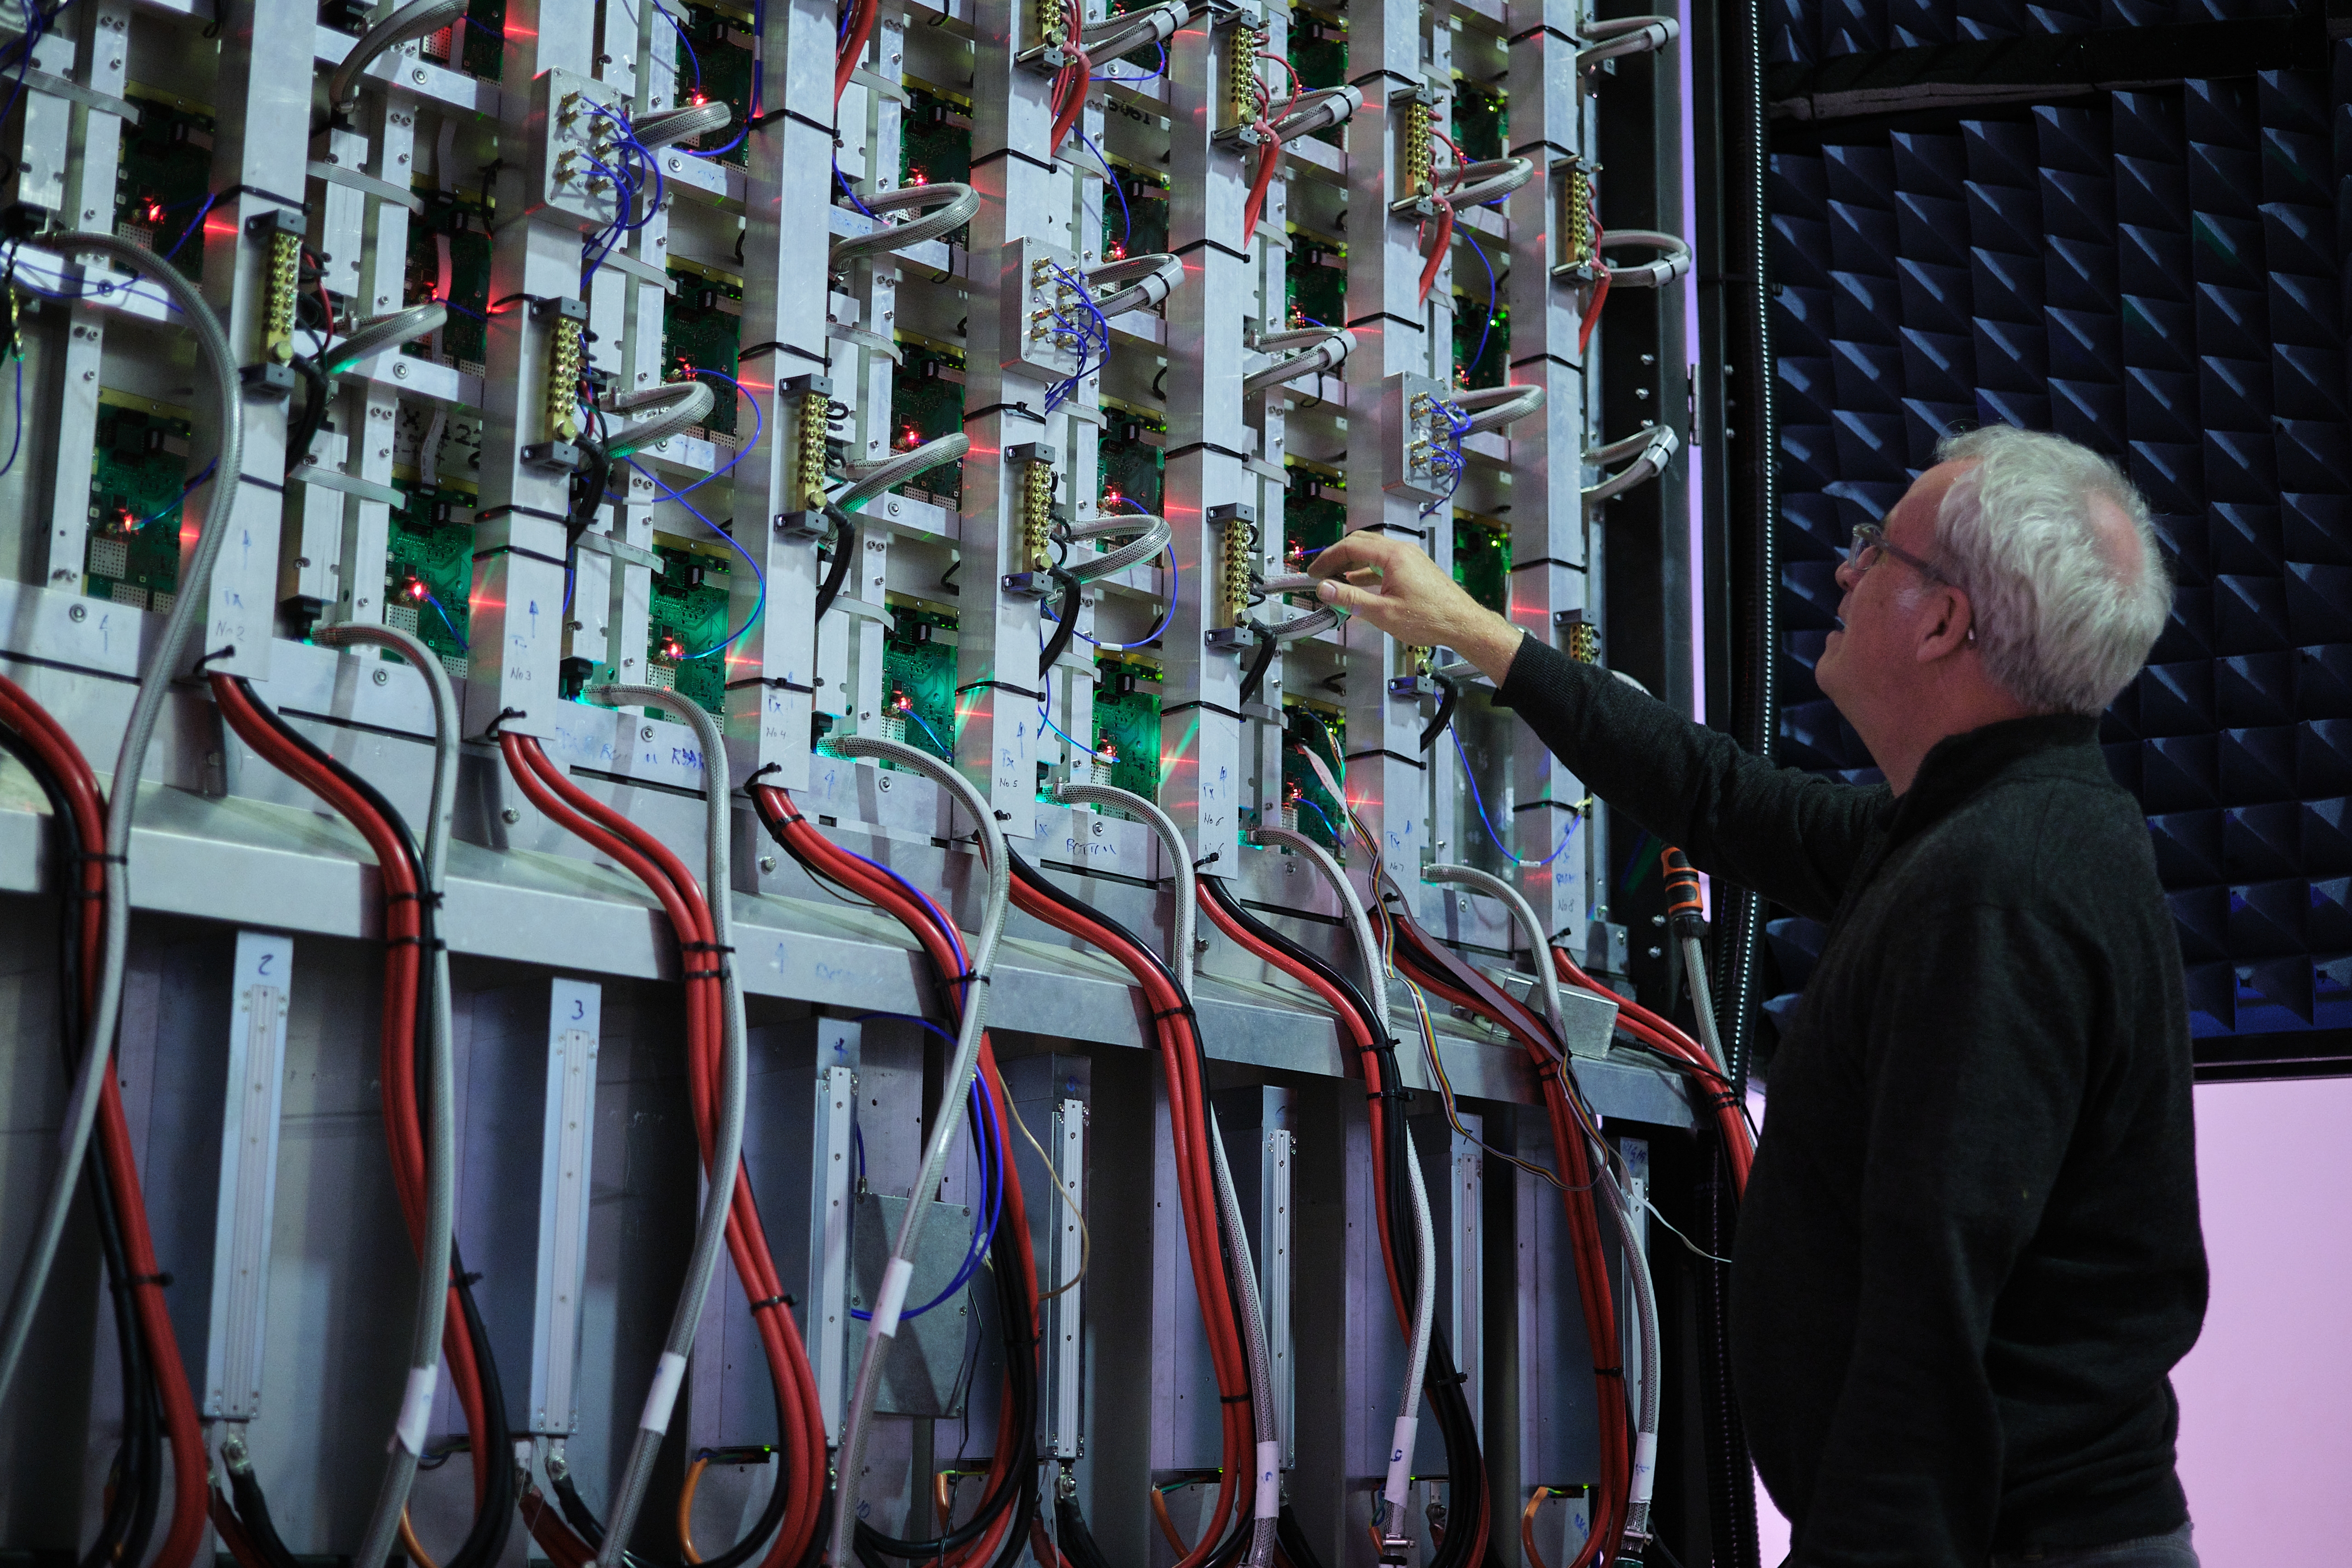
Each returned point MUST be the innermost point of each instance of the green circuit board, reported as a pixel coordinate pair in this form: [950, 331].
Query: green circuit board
[1322, 728]
[1318, 49]
[714, 65]
[1132, 462]
[1482, 120]
[164, 177]
[686, 622]
[455, 227]
[926, 403]
[1316, 281]
[918, 667]
[1314, 512]
[429, 570]
[137, 478]
[1127, 722]
[486, 39]
[702, 326]
[1480, 362]
[934, 140]
[1137, 225]
[1482, 562]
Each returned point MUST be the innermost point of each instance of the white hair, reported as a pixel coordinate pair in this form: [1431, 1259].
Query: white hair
[2059, 625]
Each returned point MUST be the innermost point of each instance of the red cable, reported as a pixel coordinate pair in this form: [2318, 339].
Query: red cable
[1268, 159]
[1739, 1145]
[853, 45]
[1600, 283]
[71, 770]
[1437, 251]
[403, 932]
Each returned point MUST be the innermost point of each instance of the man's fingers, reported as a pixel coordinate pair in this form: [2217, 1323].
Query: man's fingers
[1352, 553]
[1344, 596]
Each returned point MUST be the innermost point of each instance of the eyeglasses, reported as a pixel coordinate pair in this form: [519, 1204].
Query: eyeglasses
[1869, 542]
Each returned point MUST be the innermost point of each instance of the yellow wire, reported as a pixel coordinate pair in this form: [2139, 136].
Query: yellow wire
[686, 1508]
[1086, 1237]
[409, 1544]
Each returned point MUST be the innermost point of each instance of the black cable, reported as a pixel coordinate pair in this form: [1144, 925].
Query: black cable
[1065, 623]
[305, 426]
[1267, 647]
[587, 494]
[1446, 703]
[253, 1512]
[590, 1529]
[844, 547]
[137, 1483]
[1291, 1540]
[1076, 1541]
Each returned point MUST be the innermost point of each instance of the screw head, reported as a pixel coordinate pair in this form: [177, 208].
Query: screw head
[383, 677]
[767, 864]
[883, 782]
[78, 612]
[400, 369]
[647, 733]
[510, 816]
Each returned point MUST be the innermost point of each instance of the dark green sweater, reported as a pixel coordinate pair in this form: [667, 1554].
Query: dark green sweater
[1969, 1254]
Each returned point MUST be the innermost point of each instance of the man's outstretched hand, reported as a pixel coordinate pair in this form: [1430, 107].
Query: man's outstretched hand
[1400, 591]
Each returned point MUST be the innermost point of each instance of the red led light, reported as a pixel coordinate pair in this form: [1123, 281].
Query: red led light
[672, 649]
[416, 589]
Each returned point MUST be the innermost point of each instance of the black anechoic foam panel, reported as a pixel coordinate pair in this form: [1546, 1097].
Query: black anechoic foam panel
[1801, 31]
[2163, 277]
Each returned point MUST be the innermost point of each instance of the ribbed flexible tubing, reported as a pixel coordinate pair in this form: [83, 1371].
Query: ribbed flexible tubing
[130, 765]
[89, 825]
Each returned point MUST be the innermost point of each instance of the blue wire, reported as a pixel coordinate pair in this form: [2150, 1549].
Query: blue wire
[34, 27]
[1065, 734]
[944, 747]
[194, 224]
[462, 309]
[452, 625]
[758, 423]
[1126, 218]
[1155, 76]
[753, 620]
[684, 42]
[1320, 816]
[1574, 818]
[185, 491]
[851, 193]
[982, 1114]
[1488, 325]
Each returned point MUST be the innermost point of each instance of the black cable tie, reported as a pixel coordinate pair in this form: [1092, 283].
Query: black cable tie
[762, 773]
[504, 713]
[1209, 858]
[162, 1281]
[1616, 1372]
[98, 856]
[1233, 1399]
[703, 974]
[765, 1302]
[228, 652]
[423, 896]
[1169, 1013]
[706, 946]
[403, 941]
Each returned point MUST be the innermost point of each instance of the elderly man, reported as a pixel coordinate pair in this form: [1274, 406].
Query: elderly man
[1971, 1253]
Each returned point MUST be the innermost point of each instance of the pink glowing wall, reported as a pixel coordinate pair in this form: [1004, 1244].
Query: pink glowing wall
[2266, 1396]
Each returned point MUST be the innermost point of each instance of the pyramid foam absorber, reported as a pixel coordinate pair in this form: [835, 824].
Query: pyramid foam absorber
[2075, 140]
[2080, 275]
[2295, 100]
[1807, 391]
[2222, 111]
[2227, 249]
[1941, 367]
[2322, 681]
[2006, 218]
[2283, 982]
[2249, 613]
[2328, 921]
[2227, 181]
[2090, 413]
[2188, 847]
[2170, 474]
[2296, 165]
[1872, 447]
[2261, 842]
[1929, 163]
[2160, 334]
[2180, 773]
[2201, 916]
[1860, 502]
[1926, 424]
[2079, 206]
[1914, 24]
[1813, 518]
[2152, 193]
[2232, 322]
[1800, 251]
[2086, 345]
[2063, 17]
[2316, 528]
[1859, 172]
[2234, 395]
[2239, 467]
[1799, 185]
[2159, 405]
[1933, 229]
[1804, 650]
[1869, 377]
[2001, 152]
[2307, 383]
[1782, 1011]
[2327, 845]
[2256, 688]
[1863, 307]
[1984, 20]
[2313, 454]
[2182, 539]
[1935, 298]
[2211, 989]
[1808, 457]
[1797, 946]
[1852, 28]
[2323, 763]
[2026, 411]
[2266, 918]
[2177, 699]
[2008, 286]
[1817, 727]
[2258, 765]
[1801, 321]
[1863, 238]
[2149, 125]
[1813, 584]
[2309, 310]
[2012, 357]
[1790, 34]
[2153, 261]
[2245, 538]
[2319, 602]
[2299, 237]
[2120, 721]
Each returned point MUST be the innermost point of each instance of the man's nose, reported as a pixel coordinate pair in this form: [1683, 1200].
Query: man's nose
[1847, 575]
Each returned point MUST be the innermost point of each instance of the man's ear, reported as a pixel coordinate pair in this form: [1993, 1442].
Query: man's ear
[1952, 625]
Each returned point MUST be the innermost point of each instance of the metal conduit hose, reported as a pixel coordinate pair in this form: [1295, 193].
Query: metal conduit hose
[950, 204]
[719, 1195]
[1267, 1497]
[857, 1419]
[1424, 1302]
[418, 19]
[440, 1132]
[122, 788]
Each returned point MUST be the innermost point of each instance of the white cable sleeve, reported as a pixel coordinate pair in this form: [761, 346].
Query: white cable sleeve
[1659, 448]
[900, 466]
[1269, 1480]
[677, 406]
[416, 1409]
[655, 131]
[411, 21]
[1400, 1482]
[952, 205]
[891, 1300]
[669, 1375]
[1530, 928]
[377, 333]
[1645, 1465]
